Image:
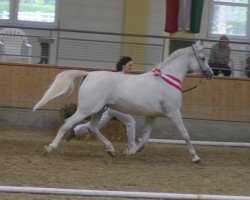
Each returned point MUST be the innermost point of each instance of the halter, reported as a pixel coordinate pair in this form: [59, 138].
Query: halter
[200, 68]
[197, 59]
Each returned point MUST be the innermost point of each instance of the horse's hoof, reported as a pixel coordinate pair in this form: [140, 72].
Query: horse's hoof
[197, 161]
[141, 149]
[45, 151]
[111, 153]
[125, 152]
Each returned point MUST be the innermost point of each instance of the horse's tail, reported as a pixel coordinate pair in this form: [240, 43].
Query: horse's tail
[63, 83]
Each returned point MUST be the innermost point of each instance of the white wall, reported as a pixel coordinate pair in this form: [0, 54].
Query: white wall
[92, 15]
[107, 16]
[156, 19]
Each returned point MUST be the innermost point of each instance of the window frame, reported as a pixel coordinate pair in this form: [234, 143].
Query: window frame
[13, 17]
[212, 35]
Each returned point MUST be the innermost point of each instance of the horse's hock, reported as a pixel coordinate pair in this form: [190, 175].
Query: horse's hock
[114, 131]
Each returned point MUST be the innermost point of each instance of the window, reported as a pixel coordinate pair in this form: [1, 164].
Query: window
[230, 17]
[29, 12]
[4, 9]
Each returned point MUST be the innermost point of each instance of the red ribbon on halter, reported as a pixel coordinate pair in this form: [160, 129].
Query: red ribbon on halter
[170, 79]
[156, 71]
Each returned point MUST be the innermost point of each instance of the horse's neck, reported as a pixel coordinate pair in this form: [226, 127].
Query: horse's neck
[177, 67]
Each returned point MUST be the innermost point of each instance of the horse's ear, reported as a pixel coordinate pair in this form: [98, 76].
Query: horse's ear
[198, 43]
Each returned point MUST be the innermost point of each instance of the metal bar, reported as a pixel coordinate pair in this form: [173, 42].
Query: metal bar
[205, 143]
[121, 194]
[122, 34]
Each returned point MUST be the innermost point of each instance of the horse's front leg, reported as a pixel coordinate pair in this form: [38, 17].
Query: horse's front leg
[69, 123]
[177, 120]
[148, 125]
[94, 128]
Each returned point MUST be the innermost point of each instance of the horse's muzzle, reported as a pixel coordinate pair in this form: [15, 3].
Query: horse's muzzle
[208, 74]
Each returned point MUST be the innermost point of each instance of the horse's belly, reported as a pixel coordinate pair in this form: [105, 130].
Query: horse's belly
[137, 109]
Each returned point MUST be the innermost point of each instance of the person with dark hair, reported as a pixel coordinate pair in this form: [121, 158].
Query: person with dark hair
[220, 56]
[124, 65]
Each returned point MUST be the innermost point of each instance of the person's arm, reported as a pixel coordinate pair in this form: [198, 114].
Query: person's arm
[227, 56]
[212, 55]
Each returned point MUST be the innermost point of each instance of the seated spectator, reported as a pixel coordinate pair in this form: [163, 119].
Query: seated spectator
[220, 56]
[248, 66]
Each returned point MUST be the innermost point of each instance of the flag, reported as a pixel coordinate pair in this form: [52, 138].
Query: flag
[183, 15]
[196, 14]
[171, 22]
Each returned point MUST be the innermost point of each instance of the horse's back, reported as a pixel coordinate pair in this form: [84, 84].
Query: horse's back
[96, 89]
[99, 82]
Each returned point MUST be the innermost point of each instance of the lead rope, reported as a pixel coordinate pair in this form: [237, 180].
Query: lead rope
[192, 87]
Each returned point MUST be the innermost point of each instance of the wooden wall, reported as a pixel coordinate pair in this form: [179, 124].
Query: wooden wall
[223, 98]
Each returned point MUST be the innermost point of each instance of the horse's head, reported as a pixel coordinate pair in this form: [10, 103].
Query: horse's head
[199, 62]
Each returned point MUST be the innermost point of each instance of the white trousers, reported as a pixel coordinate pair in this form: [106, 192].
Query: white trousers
[126, 119]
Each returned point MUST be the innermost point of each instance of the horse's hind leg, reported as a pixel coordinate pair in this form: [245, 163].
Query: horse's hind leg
[148, 125]
[69, 123]
[177, 119]
[94, 128]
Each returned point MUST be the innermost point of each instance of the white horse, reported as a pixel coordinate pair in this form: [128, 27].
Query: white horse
[143, 95]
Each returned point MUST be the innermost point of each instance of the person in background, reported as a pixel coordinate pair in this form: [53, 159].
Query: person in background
[124, 65]
[220, 56]
[248, 66]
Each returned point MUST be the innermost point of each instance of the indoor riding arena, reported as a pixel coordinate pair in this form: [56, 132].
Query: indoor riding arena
[158, 168]
[92, 36]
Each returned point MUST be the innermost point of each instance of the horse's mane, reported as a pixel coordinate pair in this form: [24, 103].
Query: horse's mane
[173, 56]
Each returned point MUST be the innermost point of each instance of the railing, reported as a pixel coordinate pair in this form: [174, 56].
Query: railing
[117, 194]
[102, 49]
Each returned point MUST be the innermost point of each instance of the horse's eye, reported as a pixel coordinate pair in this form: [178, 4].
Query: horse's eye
[203, 59]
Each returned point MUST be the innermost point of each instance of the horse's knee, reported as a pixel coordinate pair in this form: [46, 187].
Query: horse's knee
[185, 136]
[132, 122]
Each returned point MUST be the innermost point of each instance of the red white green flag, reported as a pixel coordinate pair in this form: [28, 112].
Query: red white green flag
[183, 15]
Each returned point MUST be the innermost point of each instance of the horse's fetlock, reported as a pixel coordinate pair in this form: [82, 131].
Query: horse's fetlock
[93, 130]
[186, 137]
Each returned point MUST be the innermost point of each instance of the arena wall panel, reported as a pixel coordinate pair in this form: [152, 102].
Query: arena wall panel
[223, 98]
